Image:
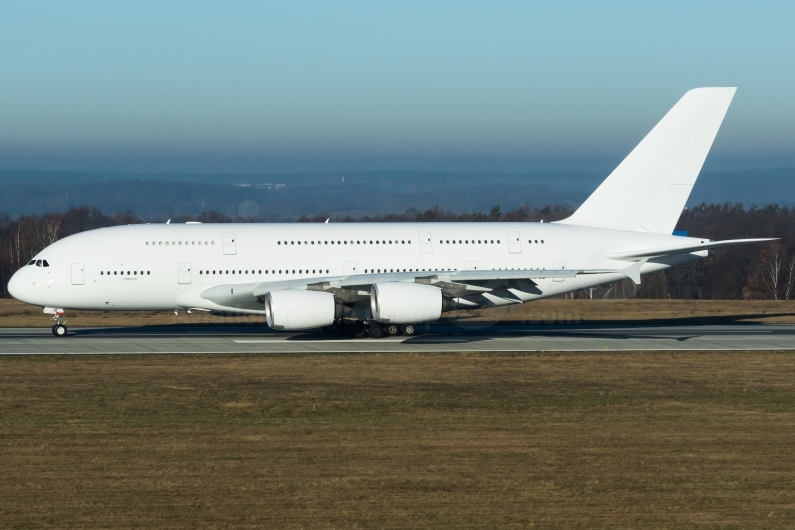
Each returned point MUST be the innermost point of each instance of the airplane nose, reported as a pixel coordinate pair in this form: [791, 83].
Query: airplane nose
[13, 285]
[16, 286]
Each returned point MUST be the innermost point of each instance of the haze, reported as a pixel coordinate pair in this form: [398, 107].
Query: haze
[319, 86]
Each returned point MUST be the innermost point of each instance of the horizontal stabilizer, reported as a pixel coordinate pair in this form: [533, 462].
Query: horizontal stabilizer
[634, 255]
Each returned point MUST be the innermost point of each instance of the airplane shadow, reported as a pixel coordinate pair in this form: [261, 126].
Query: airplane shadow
[459, 330]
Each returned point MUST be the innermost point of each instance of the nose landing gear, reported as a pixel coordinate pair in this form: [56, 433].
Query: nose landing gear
[59, 328]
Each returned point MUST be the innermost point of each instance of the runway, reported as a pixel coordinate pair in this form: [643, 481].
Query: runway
[500, 338]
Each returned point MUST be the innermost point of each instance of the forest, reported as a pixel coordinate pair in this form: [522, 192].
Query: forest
[761, 271]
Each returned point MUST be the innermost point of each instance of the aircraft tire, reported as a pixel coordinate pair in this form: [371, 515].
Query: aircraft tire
[375, 331]
[392, 330]
[408, 329]
[59, 330]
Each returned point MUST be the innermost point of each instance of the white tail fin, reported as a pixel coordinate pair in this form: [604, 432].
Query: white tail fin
[649, 189]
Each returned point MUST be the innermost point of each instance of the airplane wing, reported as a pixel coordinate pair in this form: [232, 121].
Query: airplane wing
[355, 288]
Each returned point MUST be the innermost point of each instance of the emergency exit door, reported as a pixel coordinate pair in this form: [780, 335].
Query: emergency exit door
[514, 243]
[559, 265]
[184, 273]
[426, 246]
[78, 274]
[229, 243]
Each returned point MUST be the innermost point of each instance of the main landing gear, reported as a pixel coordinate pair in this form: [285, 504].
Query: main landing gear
[376, 331]
[371, 329]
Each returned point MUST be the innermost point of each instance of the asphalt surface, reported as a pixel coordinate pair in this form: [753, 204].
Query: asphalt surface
[502, 338]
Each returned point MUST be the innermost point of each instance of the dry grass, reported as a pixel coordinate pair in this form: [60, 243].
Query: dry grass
[603, 311]
[637, 440]
[17, 314]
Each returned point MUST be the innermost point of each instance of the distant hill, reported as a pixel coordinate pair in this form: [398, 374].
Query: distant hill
[285, 196]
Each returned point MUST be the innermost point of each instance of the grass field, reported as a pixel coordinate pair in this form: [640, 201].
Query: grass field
[634, 440]
[17, 314]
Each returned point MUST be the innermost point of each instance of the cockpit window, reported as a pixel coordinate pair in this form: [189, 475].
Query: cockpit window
[38, 263]
[44, 263]
[32, 262]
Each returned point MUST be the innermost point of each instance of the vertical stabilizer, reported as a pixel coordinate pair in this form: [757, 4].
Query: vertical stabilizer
[649, 189]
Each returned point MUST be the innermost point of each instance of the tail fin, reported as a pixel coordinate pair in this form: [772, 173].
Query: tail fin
[649, 189]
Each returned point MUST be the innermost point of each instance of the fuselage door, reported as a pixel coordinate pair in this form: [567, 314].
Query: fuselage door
[514, 243]
[559, 265]
[229, 243]
[349, 268]
[78, 274]
[426, 246]
[184, 273]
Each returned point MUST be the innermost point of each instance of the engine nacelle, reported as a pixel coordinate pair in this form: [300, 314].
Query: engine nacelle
[301, 309]
[405, 303]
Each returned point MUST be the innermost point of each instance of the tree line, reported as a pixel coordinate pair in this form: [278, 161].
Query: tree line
[760, 271]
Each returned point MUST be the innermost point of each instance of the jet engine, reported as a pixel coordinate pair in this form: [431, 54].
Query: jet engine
[405, 303]
[301, 309]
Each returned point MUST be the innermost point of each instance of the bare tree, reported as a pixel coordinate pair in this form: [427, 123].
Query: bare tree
[771, 266]
[790, 279]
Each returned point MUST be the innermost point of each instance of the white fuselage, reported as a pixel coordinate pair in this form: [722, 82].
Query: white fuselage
[167, 266]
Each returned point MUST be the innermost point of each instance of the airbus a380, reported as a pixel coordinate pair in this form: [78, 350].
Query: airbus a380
[387, 277]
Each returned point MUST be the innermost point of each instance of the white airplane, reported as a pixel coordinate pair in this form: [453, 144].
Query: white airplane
[376, 278]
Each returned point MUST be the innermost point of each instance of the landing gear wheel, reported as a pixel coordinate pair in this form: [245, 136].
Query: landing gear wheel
[408, 329]
[393, 329]
[59, 330]
[360, 331]
[375, 331]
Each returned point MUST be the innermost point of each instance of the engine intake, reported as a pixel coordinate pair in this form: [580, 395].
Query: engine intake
[405, 303]
[301, 309]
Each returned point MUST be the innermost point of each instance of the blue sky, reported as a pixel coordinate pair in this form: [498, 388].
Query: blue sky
[315, 86]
